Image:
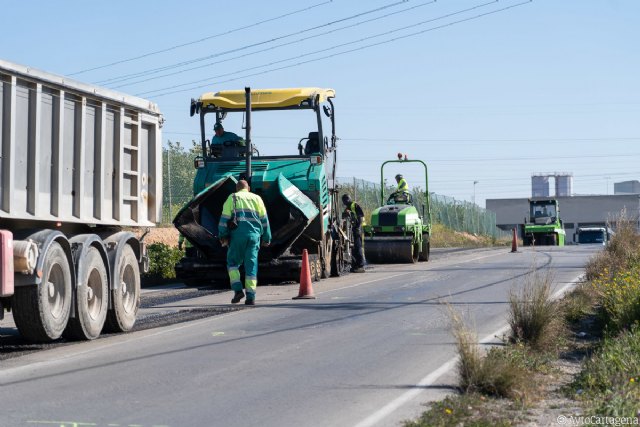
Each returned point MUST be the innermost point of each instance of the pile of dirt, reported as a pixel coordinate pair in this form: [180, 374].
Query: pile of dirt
[166, 235]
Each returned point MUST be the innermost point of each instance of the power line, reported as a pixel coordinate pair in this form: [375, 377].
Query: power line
[339, 53]
[158, 70]
[263, 42]
[255, 24]
[542, 156]
[489, 139]
[313, 53]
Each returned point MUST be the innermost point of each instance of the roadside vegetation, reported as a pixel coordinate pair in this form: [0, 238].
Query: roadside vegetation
[609, 382]
[444, 237]
[597, 325]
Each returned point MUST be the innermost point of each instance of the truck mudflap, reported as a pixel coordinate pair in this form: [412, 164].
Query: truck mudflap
[290, 212]
[6, 265]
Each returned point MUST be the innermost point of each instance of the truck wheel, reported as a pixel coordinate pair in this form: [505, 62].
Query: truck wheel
[92, 295]
[426, 248]
[126, 297]
[42, 311]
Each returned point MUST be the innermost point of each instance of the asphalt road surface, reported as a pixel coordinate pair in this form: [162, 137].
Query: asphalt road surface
[370, 350]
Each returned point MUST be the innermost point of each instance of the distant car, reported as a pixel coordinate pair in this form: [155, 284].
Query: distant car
[592, 236]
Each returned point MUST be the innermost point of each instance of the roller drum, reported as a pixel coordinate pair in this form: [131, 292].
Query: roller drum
[379, 251]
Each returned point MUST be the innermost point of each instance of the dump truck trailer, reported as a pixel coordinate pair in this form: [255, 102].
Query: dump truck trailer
[81, 170]
[298, 187]
[544, 226]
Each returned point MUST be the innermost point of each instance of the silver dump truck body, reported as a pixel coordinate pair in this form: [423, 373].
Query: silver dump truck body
[73, 152]
[79, 166]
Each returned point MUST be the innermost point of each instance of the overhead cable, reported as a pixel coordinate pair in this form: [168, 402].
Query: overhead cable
[255, 24]
[260, 43]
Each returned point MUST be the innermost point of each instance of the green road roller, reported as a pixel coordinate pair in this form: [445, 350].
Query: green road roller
[398, 231]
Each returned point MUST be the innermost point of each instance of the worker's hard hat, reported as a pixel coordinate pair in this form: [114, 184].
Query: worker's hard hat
[399, 176]
[217, 126]
[346, 199]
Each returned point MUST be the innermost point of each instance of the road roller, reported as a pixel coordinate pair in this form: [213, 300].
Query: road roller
[398, 231]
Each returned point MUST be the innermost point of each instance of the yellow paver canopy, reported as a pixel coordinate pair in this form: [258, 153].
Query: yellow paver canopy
[266, 98]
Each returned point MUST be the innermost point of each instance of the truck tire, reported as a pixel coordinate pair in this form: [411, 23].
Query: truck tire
[92, 296]
[426, 248]
[126, 296]
[42, 311]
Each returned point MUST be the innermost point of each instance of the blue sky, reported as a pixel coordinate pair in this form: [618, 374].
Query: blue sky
[549, 85]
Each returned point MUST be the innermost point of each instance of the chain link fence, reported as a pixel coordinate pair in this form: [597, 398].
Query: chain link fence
[454, 214]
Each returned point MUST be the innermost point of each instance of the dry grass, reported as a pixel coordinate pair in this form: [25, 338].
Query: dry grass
[578, 304]
[495, 373]
[534, 318]
[623, 249]
[443, 237]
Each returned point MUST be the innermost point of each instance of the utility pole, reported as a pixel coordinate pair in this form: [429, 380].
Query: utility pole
[474, 191]
[169, 180]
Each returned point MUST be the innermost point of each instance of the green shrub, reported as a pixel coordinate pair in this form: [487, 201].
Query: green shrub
[610, 380]
[619, 298]
[162, 260]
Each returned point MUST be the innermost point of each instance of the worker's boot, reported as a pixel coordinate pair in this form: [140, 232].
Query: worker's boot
[237, 297]
[251, 298]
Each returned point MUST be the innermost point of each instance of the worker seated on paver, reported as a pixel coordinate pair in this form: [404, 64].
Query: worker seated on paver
[311, 146]
[226, 144]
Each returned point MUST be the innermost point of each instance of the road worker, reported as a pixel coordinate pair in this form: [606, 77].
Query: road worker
[221, 138]
[357, 222]
[242, 224]
[403, 187]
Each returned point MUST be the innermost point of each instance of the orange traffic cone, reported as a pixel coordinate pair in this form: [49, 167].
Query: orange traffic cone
[306, 290]
[514, 242]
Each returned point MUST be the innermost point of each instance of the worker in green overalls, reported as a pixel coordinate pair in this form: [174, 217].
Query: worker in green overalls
[242, 224]
[357, 222]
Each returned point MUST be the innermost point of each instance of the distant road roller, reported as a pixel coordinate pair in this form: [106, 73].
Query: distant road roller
[398, 232]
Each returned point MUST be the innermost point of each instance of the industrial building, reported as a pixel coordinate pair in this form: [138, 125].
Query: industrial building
[575, 211]
[626, 187]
